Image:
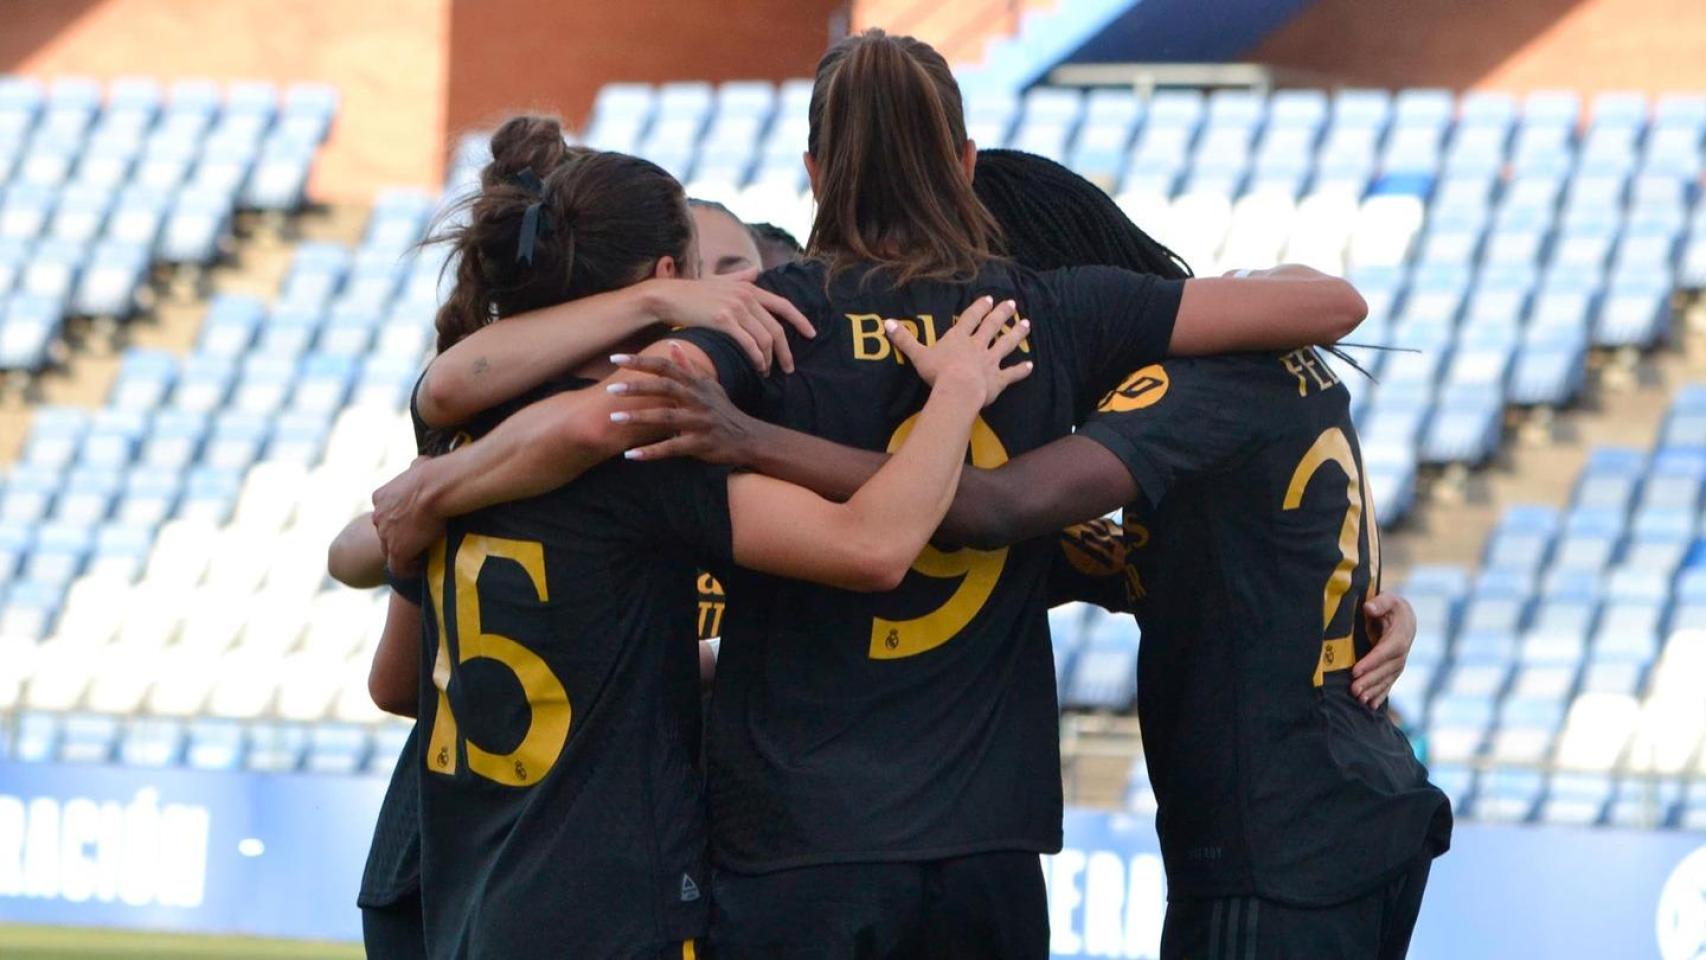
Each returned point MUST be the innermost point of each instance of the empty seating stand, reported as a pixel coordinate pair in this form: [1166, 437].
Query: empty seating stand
[98, 185]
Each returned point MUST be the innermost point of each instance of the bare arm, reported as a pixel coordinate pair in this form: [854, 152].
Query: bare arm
[502, 361]
[536, 450]
[1064, 482]
[355, 558]
[869, 542]
[394, 679]
[1280, 309]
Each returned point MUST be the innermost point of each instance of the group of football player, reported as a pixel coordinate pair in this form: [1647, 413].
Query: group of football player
[867, 762]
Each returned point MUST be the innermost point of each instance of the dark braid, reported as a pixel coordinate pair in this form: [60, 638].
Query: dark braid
[1053, 218]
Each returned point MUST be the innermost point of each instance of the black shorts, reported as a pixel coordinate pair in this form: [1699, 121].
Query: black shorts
[1373, 927]
[990, 906]
[394, 931]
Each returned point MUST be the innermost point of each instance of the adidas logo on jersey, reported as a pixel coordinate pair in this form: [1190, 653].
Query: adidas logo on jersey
[689, 889]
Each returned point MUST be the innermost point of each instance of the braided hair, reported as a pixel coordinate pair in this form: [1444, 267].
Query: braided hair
[1051, 217]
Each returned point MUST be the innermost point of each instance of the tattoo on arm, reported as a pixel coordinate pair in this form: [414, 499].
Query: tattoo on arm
[481, 365]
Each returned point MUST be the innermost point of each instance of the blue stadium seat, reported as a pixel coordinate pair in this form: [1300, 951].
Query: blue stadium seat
[1526, 730]
[88, 738]
[60, 552]
[280, 178]
[1457, 727]
[324, 383]
[1610, 479]
[1509, 795]
[111, 280]
[299, 437]
[209, 493]
[1466, 426]
[1591, 538]
[1644, 802]
[214, 745]
[389, 739]
[121, 550]
[236, 439]
[152, 742]
[29, 493]
[336, 749]
[55, 435]
[194, 229]
[38, 737]
[113, 437]
[287, 333]
[88, 495]
[174, 439]
[138, 215]
[230, 325]
[1550, 369]
[150, 494]
[1523, 538]
[29, 325]
[275, 747]
[1105, 675]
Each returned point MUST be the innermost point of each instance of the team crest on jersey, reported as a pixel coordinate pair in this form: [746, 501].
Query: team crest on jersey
[1144, 388]
[1095, 549]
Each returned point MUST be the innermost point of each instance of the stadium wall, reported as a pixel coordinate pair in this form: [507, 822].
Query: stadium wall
[508, 54]
[1588, 45]
[386, 57]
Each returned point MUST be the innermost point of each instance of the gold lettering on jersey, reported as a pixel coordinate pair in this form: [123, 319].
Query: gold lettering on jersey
[1142, 388]
[441, 742]
[710, 607]
[978, 570]
[547, 700]
[1332, 446]
[1308, 367]
[548, 729]
[871, 341]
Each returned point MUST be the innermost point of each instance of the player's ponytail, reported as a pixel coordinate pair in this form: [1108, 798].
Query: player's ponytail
[552, 223]
[887, 130]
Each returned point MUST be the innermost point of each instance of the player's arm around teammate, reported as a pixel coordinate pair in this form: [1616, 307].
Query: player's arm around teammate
[555, 440]
[1036, 494]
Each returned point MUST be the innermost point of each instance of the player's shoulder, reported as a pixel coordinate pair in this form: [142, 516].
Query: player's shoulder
[803, 279]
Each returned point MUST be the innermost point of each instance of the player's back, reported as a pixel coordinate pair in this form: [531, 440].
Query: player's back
[920, 723]
[1251, 551]
[561, 803]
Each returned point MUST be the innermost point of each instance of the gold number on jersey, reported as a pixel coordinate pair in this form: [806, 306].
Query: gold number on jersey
[1332, 446]
[978, 571]
[547, 701]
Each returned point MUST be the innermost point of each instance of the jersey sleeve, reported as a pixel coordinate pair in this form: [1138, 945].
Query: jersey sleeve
[1168, 421]
[1118, 320]
[740, 379]
[411, 588]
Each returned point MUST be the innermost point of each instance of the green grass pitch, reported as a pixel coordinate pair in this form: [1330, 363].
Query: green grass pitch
[68, 943]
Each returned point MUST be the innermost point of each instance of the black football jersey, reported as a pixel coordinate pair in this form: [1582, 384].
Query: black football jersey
[562, 808]
[920, 723]
[1246, 560]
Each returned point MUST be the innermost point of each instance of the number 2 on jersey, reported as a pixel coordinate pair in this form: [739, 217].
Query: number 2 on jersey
[1332, 446]
[978, 569]
[547, 701]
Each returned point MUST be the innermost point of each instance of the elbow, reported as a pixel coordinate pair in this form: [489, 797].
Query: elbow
[874, 567]
[393, 698]
[437, 398]
[1349, 311]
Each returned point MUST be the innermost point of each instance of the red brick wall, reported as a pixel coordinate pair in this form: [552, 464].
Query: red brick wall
[1518, 45]
[510, 54]
[385, 56]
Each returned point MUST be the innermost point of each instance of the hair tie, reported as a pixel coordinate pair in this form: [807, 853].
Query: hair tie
[533, 220]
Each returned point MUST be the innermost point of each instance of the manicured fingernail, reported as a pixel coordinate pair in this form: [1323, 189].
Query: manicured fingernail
[1011, 305]
[890, 325]
[634, 455]
[1026, 324]
[617, 388]
[620, 358]
[1029, 364]
[618, 417]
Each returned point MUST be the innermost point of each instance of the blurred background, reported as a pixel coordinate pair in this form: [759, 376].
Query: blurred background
[211, 310]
